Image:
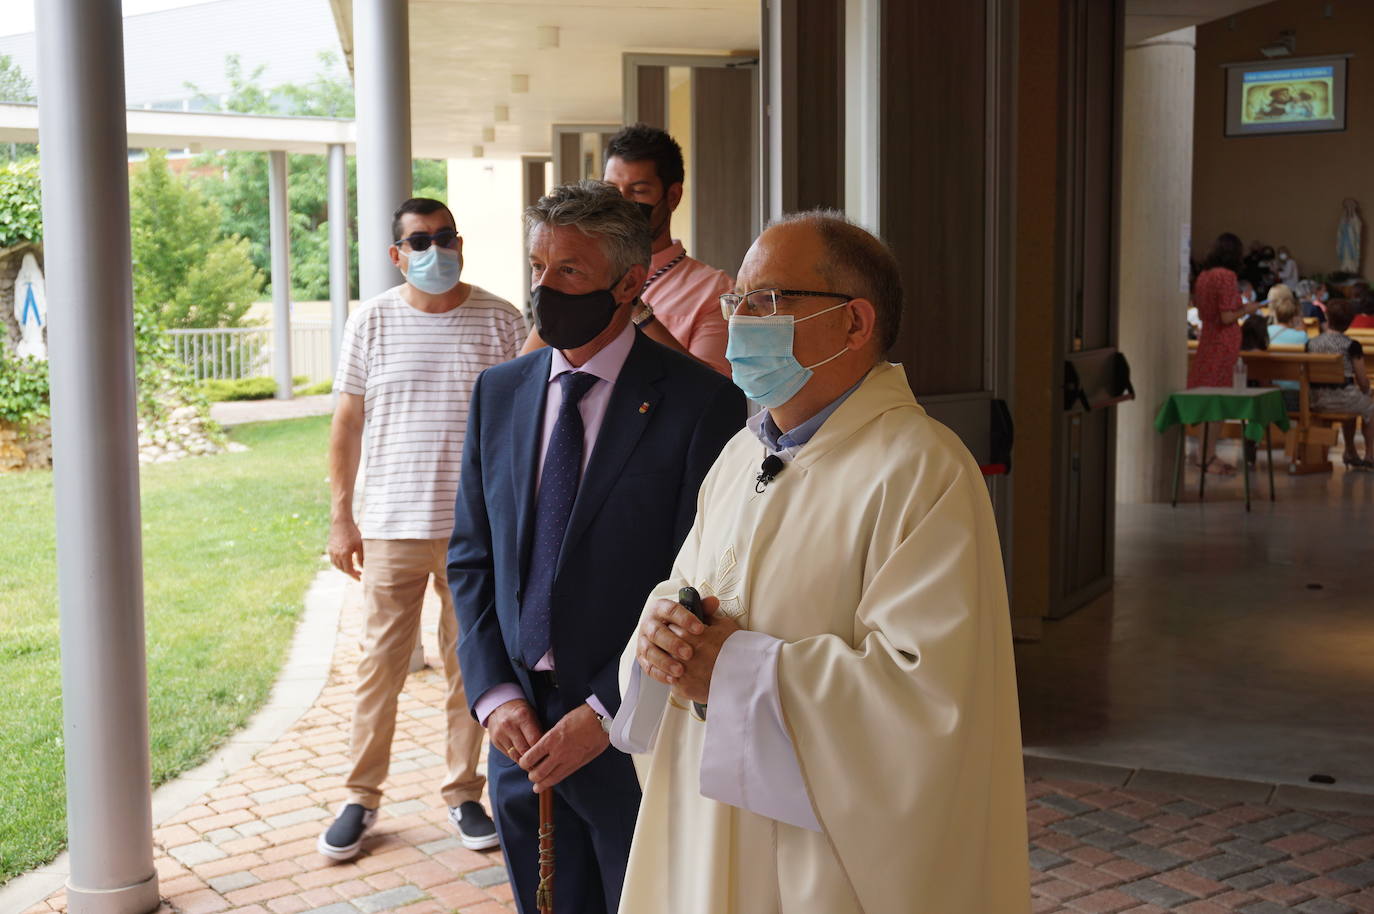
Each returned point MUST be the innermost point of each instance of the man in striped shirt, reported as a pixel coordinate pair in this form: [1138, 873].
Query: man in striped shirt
[406, 371]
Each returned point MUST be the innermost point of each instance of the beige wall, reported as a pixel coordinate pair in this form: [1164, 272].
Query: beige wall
[680, 126]
[1285, 190]
[485, 196]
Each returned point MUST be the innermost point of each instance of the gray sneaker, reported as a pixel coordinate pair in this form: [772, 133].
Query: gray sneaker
[475, 827]
[344, 838]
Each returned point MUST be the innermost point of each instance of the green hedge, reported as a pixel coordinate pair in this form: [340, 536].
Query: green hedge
[23, 387]
[216, 389]
[21, 204]
[323, 387]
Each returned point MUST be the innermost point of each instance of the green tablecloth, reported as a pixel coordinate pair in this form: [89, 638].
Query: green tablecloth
[1258, 406]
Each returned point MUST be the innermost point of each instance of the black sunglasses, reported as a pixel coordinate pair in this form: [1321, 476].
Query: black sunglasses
[445, 238]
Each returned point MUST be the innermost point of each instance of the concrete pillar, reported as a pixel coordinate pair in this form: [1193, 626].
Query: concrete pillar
[381, 68]
[278, 220]
[95, 467]
[381, 78]
[1156, 207]
[338, 250]
[862, 88]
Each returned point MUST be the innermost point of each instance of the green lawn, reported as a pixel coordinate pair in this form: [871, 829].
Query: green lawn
[230, 544]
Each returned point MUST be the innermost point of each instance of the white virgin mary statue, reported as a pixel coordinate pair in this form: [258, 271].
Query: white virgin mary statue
[30, 309]
[1348, 236]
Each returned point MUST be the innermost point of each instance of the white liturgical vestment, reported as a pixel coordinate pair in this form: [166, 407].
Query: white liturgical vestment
[871, 563]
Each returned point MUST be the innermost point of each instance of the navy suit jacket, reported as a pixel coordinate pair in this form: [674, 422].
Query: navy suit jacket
[668, 418]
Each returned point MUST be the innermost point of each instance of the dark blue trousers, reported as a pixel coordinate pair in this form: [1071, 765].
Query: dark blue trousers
[594, 820]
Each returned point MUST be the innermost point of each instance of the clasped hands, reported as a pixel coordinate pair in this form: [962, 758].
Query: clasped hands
[679, 650]
[549, 757]
[672, 646]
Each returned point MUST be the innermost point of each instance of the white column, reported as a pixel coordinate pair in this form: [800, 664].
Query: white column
[95, 468]
[381, 67]
[1156, 207]
[381, 78]
[278, 213]
[862, 137]
[338, 249]
[776, 95]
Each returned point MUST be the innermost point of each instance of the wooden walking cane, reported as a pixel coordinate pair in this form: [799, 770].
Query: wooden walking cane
[543, 897]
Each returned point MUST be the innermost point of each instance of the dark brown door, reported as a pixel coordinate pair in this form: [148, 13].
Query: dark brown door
[945, 180]
[723, 173]
[1086, 435]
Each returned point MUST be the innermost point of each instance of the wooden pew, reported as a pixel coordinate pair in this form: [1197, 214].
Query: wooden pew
[1312, 433]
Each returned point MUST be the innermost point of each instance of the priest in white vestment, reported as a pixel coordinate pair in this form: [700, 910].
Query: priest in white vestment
[841, 735]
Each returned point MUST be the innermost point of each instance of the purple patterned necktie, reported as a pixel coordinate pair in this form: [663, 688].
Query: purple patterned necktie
[557, 492]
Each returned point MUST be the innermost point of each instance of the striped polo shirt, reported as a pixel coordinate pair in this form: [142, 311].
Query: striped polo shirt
[415, 372]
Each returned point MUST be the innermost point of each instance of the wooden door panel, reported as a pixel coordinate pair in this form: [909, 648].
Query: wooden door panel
[653, 95]
[1089, 172]
[720, 178]
[933, 137]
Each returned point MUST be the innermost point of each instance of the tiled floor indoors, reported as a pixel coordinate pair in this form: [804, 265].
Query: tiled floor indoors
[1237, 645]
[1103, 839]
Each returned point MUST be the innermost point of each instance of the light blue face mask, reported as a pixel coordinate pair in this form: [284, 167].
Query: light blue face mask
[434, 270]
[761, 360]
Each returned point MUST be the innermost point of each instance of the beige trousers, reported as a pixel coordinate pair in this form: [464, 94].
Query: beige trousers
[395, 575]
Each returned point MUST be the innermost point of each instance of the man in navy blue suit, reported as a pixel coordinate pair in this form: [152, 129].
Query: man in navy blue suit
[578, 484]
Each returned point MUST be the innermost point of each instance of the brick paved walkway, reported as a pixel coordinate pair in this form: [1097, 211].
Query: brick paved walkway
[248, 844]
[1102, 849]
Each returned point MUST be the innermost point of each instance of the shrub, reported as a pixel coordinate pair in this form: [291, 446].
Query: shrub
[323, 387]
[218, 389]
[23, 388]
[21, 208]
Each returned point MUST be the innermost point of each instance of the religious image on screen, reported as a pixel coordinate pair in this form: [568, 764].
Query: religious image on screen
[1295, 96]
[1288, 96]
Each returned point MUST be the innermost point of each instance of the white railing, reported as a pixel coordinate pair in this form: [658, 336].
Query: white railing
[246, 352]
[224, 352]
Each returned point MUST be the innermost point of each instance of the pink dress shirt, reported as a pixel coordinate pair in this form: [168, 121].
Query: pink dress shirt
[606, 365]
[686, 300]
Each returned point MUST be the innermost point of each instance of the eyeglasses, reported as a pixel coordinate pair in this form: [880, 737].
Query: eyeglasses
[445, 238]
[764, 302]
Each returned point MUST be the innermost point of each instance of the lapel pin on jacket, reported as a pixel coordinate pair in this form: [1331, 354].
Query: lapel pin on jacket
[644, 407]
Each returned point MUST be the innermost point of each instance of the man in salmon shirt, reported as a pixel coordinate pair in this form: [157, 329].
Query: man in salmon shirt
[681, 305]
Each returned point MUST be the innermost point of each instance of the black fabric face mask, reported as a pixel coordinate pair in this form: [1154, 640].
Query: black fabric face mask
[567, 321]
[647, 211]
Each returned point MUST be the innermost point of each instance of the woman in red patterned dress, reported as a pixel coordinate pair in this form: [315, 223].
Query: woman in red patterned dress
[1216, 295]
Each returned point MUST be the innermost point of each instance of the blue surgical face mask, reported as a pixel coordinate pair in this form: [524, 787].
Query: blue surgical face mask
[761, 360]
[434, 270]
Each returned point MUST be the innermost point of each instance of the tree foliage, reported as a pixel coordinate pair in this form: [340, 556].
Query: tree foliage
[240, 186]
[186, 270]
[15, 86]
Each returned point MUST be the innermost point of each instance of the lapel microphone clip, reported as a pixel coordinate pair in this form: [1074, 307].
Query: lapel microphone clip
[770, 469]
